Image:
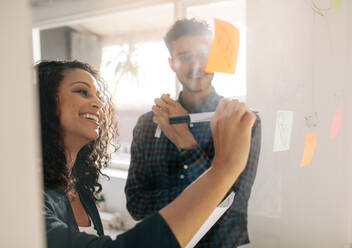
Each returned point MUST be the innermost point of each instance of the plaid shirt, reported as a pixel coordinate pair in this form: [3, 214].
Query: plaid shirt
[159, 173]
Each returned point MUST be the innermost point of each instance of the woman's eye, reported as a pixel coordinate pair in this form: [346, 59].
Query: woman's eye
[82, 92]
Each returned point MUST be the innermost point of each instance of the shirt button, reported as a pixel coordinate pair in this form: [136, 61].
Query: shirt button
[191, 125]
[182, 176]
[185, 167]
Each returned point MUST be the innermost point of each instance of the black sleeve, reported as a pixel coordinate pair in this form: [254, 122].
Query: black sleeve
[151, 232]
[59, 234]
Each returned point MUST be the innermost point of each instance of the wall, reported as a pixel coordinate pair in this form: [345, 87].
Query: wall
[55, 43]
[20, 180]
[81, 42]
[299, 60]
[65, 43]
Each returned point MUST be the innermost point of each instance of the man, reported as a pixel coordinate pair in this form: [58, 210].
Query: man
[161, 168]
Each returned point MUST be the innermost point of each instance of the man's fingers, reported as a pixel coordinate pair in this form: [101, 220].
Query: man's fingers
[160, 121]
[155, 120]
[158, 111]
[166, 98]
[160, 103]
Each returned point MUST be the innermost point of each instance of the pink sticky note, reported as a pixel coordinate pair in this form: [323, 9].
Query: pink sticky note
[336, 123]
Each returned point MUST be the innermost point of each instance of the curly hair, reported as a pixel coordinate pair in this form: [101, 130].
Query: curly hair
[185, 27]
[93, 156]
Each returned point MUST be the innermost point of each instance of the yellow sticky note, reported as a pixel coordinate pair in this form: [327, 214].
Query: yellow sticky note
[337, 5]
[309, 148]
[224, 48]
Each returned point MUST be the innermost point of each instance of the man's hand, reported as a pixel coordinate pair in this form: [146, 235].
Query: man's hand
[179, 134]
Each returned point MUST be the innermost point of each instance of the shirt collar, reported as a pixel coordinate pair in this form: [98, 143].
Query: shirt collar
[209, 104]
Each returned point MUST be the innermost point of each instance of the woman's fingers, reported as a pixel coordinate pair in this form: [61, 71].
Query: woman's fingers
[231, 127]
[238, 110]
[220, 110]
[249, 119]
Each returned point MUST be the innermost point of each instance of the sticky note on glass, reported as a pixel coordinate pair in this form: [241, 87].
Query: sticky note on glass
[283, 129]
[337, 5]
[336, 121]
[309, 148]
[224, 48]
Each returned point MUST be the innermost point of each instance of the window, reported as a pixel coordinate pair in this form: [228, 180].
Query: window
[134, 94]
[135, 64]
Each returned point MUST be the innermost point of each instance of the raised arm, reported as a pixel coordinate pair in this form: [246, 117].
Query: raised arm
[176, 223]
[245, 181]
[231, 128]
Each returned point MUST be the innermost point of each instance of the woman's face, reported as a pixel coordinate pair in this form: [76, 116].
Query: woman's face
[79, 107]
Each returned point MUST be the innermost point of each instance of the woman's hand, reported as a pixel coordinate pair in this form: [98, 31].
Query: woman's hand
[231, 127]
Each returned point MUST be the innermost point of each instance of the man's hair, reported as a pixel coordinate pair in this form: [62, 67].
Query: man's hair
[185, 27]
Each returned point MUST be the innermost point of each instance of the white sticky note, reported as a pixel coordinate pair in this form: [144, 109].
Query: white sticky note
[283, 129]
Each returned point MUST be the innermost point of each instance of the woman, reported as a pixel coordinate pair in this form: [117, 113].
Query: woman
[77, 127]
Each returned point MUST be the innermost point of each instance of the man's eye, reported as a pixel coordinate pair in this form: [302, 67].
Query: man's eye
[203, 55]
[185, 57]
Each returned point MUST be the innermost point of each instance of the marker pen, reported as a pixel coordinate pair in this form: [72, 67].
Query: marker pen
[191, 118]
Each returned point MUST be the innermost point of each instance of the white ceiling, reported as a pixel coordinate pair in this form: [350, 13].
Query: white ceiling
[145, 23]
[125, 23]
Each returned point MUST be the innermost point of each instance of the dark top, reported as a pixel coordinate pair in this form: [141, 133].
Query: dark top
[159, 173]
[62, 230]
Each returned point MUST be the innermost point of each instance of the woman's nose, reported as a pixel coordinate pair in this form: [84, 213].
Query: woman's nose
[97, 103]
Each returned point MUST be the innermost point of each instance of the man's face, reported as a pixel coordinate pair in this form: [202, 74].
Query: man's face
[189, 56]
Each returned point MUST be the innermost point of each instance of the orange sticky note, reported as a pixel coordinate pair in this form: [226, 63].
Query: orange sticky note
[309, 148]
[224, 48]
[336, 123]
